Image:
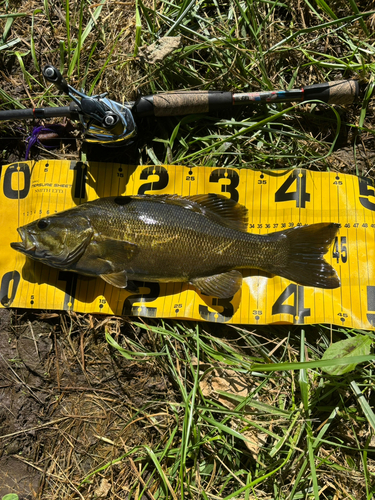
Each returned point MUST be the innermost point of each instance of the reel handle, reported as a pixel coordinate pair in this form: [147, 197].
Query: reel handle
[53, 75]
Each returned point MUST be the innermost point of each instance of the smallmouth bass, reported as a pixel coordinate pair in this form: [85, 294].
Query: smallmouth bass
[201, 240]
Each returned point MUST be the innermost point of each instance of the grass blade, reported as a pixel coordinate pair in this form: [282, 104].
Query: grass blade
[161, 472]
[138, 29]
[32, 42]
[366, 408]
[23, 69]
[90, 26]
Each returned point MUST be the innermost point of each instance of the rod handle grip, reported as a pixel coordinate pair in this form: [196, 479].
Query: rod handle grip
[184, 102]
[337, 92]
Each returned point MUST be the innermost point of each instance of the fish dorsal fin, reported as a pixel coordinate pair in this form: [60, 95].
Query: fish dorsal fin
[119, 280]
[220, 209]
[222, 285]
[215, 207]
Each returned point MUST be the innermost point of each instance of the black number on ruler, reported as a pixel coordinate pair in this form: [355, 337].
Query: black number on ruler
[366, 189]
[162, 172]
[371, 305]
[300, 196]
[21, 169]
[227, 173]
[226, 315]
[340, 249]
[80, 177]
[70, 288]
[297, 310]
[14, 276]
[150, 312]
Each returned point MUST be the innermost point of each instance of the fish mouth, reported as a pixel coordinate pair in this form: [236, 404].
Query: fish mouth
[27, 245]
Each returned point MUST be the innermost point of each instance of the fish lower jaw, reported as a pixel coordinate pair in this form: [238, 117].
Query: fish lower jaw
[21, 247]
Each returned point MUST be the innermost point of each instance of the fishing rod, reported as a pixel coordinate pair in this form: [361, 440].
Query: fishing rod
[108, 122]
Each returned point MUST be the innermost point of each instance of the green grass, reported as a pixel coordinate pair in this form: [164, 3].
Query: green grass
[254, 422]
[251, 413]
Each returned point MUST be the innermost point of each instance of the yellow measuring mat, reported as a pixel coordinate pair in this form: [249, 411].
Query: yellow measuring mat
[276, 200]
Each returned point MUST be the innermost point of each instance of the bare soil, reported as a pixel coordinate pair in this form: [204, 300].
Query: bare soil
[62, 389]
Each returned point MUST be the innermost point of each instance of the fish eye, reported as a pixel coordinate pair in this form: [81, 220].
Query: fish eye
[43, 224]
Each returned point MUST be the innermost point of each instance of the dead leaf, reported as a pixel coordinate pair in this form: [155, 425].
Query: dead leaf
[254, 440]
[159, 50]
[227, 381]
[103, 489]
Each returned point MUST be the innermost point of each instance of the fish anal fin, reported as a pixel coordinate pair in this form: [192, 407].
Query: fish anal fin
[222, 285]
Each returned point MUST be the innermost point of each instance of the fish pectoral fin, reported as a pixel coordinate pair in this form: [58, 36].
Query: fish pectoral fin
[114, 252]
[119, 280]
[222, 285]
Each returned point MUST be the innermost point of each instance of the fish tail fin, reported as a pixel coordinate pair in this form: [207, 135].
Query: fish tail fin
[305, 263]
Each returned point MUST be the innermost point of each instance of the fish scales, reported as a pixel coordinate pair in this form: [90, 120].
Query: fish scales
[172, 238]
[200, 239]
